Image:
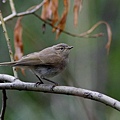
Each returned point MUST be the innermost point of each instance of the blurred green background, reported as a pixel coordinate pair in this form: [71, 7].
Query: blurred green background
[89, 65]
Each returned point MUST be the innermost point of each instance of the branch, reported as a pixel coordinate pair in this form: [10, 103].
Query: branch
[12, 7]
[33, 9]
[13, 12]
[4, 99]
[8, 42]
[66, 90]
[82, 35]
[28, 12]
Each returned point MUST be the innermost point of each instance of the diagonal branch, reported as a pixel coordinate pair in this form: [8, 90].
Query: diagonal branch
[8, 42]
[4, 98]
[88, 94]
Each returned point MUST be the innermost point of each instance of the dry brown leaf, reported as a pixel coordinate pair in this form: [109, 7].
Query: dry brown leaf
[50, 11]
[109, 32]
[53, 8]
[62, 22]
[45, 10]
[109, 37]
[18, 40]
[76, 9]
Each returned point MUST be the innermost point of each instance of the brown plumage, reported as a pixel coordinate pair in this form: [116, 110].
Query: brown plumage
[46, 63]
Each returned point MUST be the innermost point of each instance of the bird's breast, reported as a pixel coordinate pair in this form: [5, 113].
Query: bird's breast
[49, 70]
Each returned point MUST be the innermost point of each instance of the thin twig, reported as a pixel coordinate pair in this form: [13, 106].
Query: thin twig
[85, 35]
[14, 71]
[8, 43]
[4, 102]
[12, 7]
[31, 10]
[9, 17]
[66, 90]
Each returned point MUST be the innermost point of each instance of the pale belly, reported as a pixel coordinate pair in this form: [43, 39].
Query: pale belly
[47, 70]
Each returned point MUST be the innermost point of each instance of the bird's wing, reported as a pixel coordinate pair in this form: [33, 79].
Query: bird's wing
[50, 59]
[38, 59]
[30, 59]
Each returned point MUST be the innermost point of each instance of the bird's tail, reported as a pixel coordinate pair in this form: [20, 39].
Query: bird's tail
[8, 63]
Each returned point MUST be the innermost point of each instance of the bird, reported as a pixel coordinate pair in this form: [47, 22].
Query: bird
[46, 63]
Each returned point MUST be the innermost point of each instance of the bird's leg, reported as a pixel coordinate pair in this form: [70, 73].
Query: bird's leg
[56, 84]
[40, 81]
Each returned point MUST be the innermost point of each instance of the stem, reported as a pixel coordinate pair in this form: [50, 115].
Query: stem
[12, 7]
[4, 99]
[85, 35]
[8, 42]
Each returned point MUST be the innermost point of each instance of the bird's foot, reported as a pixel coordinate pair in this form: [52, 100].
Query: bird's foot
[38, 83]
[52, 88]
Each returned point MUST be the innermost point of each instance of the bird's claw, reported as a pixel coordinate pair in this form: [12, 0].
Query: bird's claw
[52, 88]
[38, 83]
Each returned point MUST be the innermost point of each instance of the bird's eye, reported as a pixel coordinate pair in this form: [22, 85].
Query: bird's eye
[61, 48]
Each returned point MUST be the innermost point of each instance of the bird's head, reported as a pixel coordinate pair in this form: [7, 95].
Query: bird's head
[62, 49]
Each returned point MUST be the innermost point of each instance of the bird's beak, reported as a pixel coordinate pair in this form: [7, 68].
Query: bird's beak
[70, 47]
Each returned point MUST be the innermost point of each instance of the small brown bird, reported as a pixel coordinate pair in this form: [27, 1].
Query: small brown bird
[46, 63]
